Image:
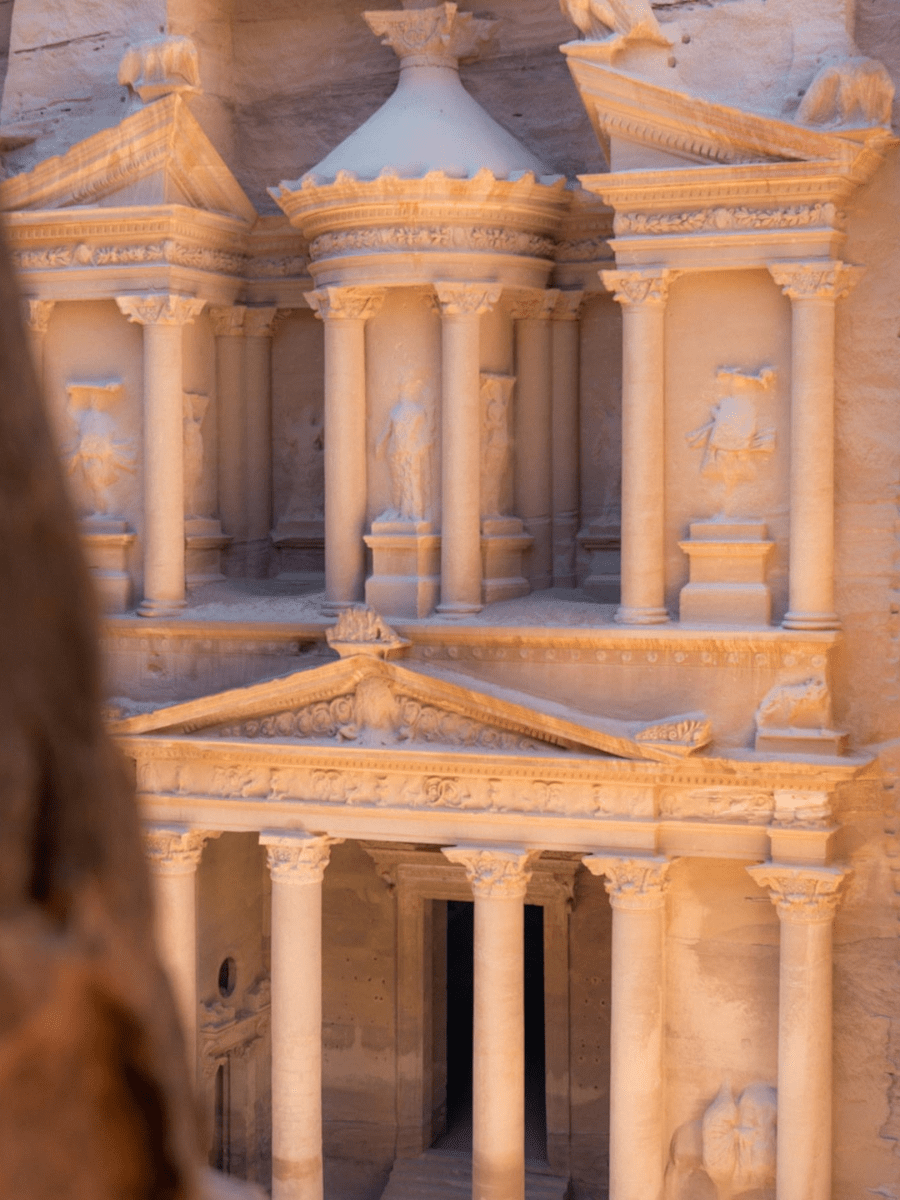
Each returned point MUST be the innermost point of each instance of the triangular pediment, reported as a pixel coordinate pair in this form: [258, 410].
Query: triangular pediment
[369, 702]
[159, 155]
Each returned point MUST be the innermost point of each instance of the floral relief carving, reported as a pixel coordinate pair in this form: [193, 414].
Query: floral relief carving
[390, 238]
[467, 299]
[729, 804]
[435, 34]
[677, 737]
[534, 305]
[817, 280]
[297, 858]
[345, 303]
[639, 287]
[495, 873]
[174, 851]
[228, 320]
[635, 883]
[796, 216]
[164, 309]
[808, 895]
[204, 258]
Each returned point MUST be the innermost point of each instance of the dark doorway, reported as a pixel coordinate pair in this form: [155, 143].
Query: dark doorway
[457, 1133]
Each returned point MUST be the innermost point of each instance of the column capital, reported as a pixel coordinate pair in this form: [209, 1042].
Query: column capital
[802, 895]
[632, 883]
[821, 279]
[345, 303]
[467, 299]
[493, 871]
[296, 857]
[260, 322]
[645, 287]
[534, 304]
[568, 305]
[163, 309]
[175, 849]
[228, 319]
[36, 314]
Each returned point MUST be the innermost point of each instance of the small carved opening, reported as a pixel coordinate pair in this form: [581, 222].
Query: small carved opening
[227, 976]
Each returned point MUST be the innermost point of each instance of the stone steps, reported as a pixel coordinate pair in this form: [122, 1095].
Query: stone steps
[447, 1175]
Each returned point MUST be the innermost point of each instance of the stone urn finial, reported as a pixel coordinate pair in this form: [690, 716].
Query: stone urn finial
[360, 630]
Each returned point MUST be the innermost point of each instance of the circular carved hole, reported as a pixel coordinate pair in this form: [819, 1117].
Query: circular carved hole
[227, 976]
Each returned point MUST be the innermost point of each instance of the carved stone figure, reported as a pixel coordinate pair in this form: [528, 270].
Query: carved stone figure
[195, 406]
[856, 91]
[596, 19]
[304, 464]
[496, 442]
[731, 439]
[161, 66]
[96, 458]
[407, 441]
[360, 630]
[729, 1152]
[804, 705]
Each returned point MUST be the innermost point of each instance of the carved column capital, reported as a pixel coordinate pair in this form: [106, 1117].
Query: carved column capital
[433, 36]
[165, 309]
[644, 287]
[228, 319]
[260, 322]
[802, 895]
[494, 872]
[467, 299]
[296, 857]
[534, 304]
[568, 305]
[345, 303]
[175, 849]
[36, 314]
[632, 883]
[827, 279]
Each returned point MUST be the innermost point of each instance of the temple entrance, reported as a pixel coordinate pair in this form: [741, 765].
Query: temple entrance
[453, 1118]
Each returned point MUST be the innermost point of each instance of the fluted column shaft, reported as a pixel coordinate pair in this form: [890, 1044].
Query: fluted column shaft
[297, 864]
[174, 853]
[637, 1144]
[565, 437]
[228, 326]
[499, 879]
[814, 289]
[462, 305]
[806, 899]
[642, 295]
[259, 329]
[163, 319]
[345, 312]
[534, 434]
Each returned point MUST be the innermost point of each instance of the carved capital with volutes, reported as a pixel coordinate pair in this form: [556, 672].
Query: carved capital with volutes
[534, 304]
[802, 895]
[175, 849]
[260, 322]
[632, 883]
[228, 319]
[296, 857]
[644, 287]
[568, 305]
[438, 35]
[166, 309]
[36, 314]
[495, 872]
[820, 279]
[345, 303]
[467, 299]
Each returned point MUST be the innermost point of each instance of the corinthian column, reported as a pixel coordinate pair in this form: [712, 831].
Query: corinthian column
[813, 288]
[297, 863]
[534, 433]
[642, 295]
[565, 436]
[806, 899]
[259, 329]
[174, 854]
[36, 315]
[163, 318]
[637, 1141]
[499, 878]
[345, 311]
[462, 305]
[228, 326]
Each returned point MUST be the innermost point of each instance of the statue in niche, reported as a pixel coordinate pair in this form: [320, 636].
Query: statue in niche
[731, 439]
[600, 19]
[195, 406]
[407, 442]
[496, 442]
[96, 458]
[304, 460]
[729, 1153]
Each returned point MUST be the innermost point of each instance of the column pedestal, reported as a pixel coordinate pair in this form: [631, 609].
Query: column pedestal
[107, 544]
[727, 574]
[406, 563]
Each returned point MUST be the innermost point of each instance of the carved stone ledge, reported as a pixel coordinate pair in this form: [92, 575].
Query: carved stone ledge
[495, 873]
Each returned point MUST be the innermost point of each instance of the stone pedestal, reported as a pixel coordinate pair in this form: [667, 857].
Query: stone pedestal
[301, 551]
[406, 558]
[602, 544]
[106, 543]
[728, 574]
[204, 542]
[503, 543]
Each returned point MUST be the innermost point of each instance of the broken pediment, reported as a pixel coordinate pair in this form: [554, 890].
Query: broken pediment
[159, 155]
[368, 701]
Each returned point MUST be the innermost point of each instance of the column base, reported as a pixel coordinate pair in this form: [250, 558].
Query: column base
[458, 610]
[107, 544]
[811, 621]
[160, 608]
[641, 616]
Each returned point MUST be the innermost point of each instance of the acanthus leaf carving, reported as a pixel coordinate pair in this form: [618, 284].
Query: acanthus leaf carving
[467, 299]
[678, 737]
[393, 238]
[174, 849]
[796, 216]
[439, 35]
[823, 279]
[361, 630]
[649, 287]
[297, 858]
[631, 882]
[164, 309]
[806, 895]
[535, 304]
[494, 873]
[345, 303]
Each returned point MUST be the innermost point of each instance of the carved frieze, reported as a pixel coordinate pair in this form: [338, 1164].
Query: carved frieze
[792, 216]
[171, 251]
[717, 804]
[387, 239]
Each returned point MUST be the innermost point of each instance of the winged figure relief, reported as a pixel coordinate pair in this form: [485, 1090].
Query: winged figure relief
[597, 19]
